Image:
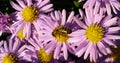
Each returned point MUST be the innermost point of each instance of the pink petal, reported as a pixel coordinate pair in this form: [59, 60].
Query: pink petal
[97, 5]
[110, 22]
[71, 48]
[16, 45]
[81, 13]
[98, 18]
[29, 2]
[2, 55]
[5, 46]
[86, 4]
[114, 9]
[52, 15]
[91, 55]
[48, 47]
[27, 30]
[1, 43]
[78, 33]
[22, 49]
[15, 6]
[39, 2]
[63, 17]
[113, 29]
[95, 54]
[31, 48]
[108, 51]
[112, 37]
[88, 50]
[82, 48]
[16, 23]
[76, 39]
[47, 7]
[10, 44]
[57, 51]
[81, 24]
[109, 42]
[106, 19]
[73, 40]
[92, 3]
[108, 8]
[31, 41]
[37, 27]
[49, 22]
[1, 33]
[70, 18]
[117, 5]
[65, 51]
[89, 17]
[21, 3]
[81, 44]
[47, 39]
[57, 16]
[80, 52]
[43, 3]
[102, 48]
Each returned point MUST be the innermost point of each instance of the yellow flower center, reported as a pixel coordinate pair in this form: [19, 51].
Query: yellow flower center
[61, 33]
[30, 13]
[94, 33]
[44, 57]
[10, 58]
[20, 34]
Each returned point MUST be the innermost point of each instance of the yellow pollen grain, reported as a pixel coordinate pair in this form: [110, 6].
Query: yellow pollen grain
[10, 58]
[61, 33]
[44, 57]
[30, 13]
[20, 34]
[94, 33]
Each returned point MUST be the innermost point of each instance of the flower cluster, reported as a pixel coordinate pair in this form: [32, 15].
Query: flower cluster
[40, 34]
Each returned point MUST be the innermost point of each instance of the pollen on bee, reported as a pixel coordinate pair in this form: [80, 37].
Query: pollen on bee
[61, 33]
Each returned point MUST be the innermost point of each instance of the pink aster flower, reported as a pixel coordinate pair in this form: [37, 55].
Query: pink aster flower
[4, 23]
[106, 5]
[37, 50]
[10, 51]
[55, 34]
[97, 33]
[28, 15]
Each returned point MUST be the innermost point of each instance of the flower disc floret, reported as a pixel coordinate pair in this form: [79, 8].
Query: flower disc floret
[94, 33]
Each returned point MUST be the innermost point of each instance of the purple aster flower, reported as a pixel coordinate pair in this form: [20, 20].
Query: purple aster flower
[106, 5]
[55, 34]
[95, 36]
[10, 51]
[4, 22]
[37, 50]
[29, 14]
